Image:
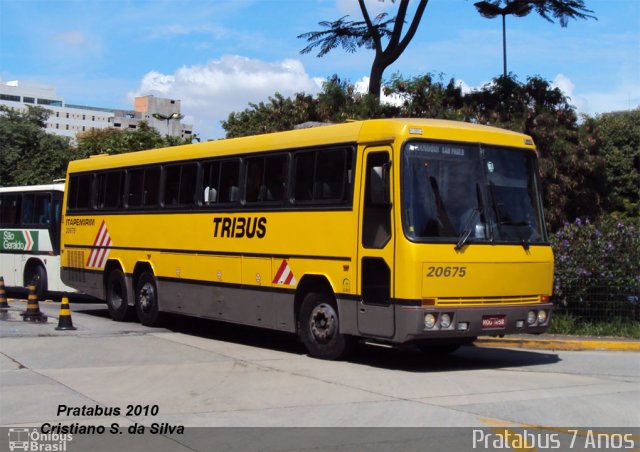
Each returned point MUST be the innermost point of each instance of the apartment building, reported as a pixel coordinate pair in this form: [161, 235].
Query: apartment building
[68, 119]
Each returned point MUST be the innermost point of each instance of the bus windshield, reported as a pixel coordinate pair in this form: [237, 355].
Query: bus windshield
[467, 193]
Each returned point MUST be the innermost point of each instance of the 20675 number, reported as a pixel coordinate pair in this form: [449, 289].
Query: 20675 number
[447, 272]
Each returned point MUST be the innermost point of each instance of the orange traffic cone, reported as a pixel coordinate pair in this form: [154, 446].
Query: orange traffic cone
[33, 314]
[3, 295]
[64, 320]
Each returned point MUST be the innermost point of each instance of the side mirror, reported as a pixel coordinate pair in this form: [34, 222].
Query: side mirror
[379, 180]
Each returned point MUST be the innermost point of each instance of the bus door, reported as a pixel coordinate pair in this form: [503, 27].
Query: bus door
[376, 245]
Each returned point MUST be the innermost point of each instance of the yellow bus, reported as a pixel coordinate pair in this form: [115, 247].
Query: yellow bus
[394, 231]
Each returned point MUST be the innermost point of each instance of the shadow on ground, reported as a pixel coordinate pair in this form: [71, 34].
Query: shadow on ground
[405, 359]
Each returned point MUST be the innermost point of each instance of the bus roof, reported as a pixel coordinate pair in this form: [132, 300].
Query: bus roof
[31, 188]
[363, 132]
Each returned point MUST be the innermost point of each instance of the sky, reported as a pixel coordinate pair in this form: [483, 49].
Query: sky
[217, 56]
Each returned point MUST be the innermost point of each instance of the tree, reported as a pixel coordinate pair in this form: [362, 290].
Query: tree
[617, 135]
[372, 34]
[562, 10]
[116, 141]
[29, 155]
[337, 102]
[369, 34]
[276, 115]
[572, 160]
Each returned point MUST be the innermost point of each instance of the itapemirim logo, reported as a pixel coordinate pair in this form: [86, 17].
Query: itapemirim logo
[31, 439]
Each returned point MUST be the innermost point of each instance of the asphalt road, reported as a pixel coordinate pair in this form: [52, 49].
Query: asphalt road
[200, 373]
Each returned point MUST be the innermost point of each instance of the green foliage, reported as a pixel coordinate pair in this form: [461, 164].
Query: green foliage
[617, 136]
[116, 141]
[562, 323]
[573, 157]
[337, 102]
[571, 166]
[422, 97]
[29, 155]
[597, 267]
[278, 114]
[561, 10]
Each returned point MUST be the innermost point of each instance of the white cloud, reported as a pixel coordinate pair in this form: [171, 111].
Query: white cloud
[565, 85]
[623, 95]
[209, 92]
[362, 87]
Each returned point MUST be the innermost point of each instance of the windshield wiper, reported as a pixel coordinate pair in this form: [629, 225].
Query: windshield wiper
[471, 221]
[443, 217]
[466, 232]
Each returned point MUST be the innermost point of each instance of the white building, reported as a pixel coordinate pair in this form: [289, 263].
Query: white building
[68, 120]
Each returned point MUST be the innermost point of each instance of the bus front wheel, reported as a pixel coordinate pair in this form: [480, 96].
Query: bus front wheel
[147, 300]
[36, 274]
[117, 300]
[320, 328]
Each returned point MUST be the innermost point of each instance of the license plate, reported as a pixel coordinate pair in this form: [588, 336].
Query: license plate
[496, 321]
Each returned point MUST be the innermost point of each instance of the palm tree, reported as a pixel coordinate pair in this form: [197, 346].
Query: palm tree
[560, 9]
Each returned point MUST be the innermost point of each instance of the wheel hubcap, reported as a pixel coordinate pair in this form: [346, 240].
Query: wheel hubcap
[116, 298]
[146, 297]
[323, 322]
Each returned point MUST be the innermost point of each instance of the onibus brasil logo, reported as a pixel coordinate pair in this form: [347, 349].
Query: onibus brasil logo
[31, 439]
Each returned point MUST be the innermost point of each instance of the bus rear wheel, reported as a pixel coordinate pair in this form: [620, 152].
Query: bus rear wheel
[320, 328]
[117, 299]
[36, 274]
[147, 300]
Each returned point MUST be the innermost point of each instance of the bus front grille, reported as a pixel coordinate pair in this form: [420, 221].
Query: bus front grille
[487, 301]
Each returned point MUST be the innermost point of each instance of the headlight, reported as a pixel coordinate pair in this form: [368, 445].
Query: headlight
[429, 320]
[542, 317]
[445, 320]
[531, 317]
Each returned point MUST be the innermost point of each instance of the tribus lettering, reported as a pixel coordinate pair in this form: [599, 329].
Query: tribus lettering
[240, 227]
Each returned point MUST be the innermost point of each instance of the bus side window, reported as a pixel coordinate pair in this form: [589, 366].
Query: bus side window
[304, 167]
[134, 195]
[171, 185]
[234, 193]
[151, 186]
[10, 209]
[321, 176]
[80, 191]
[28, 202]
[210, 182]
[42, 212]
[113, 189]
[229, 191]
[188, 181]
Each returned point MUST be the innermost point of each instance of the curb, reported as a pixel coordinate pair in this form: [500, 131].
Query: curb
[560, 344]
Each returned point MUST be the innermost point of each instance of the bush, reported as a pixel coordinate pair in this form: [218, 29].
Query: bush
[597, 269]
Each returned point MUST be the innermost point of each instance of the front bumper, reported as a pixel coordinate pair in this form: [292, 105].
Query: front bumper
[467, 322]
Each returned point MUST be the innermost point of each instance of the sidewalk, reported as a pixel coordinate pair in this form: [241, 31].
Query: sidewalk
[558, 342]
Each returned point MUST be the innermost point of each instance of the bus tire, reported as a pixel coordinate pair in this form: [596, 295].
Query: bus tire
[36, 274]
[320, 328]
[117, 299]
[147, 300]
